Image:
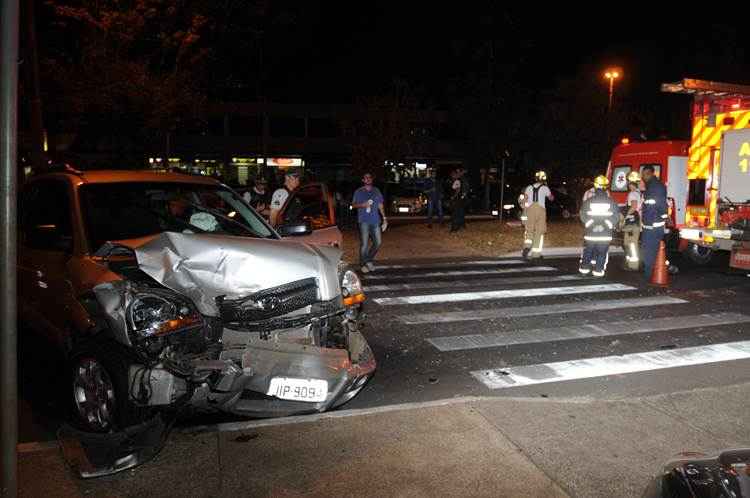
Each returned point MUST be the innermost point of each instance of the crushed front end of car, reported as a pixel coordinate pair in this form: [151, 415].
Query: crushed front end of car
[251, 327]
[185, 323]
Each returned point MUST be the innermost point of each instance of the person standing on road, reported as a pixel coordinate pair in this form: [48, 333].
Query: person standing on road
[535, 213]
[434, 193]
[631, 229]
[368, 201]
[459, 192]
[291, 183]
[257, 197]
[654, 218]
[599, 213]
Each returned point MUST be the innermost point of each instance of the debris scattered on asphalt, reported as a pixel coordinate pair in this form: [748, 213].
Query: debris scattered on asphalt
[244, 438]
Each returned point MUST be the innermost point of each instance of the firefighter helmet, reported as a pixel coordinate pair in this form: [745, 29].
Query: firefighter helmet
[601, 182]
[634, 177]
[540, 176]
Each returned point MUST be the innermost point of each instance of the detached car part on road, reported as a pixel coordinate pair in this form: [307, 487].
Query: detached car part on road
[167, 291]
[697, 475]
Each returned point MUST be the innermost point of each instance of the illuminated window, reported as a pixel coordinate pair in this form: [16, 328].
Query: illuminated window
[657, 169]
[619, 182]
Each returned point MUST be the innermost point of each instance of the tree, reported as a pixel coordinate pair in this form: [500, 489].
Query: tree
[384, 132]
[125, 68]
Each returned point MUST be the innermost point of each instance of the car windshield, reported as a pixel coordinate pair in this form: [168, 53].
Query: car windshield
[119, 211]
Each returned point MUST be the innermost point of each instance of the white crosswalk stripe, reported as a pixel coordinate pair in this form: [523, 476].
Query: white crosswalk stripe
[586, 331]
[550, 309]
[501, 294]
[452, 264]
[472, 283]
[458, 273]
[543, 373]
[578, 306]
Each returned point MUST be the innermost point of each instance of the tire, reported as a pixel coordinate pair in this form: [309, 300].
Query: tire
[99, 388]
[699, 255]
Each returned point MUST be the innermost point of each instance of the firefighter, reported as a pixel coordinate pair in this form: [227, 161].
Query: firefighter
[535, 213]
[599, 214]
[631, 228]
[653, 217]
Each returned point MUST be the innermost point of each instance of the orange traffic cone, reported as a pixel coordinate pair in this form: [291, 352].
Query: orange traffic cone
[660, 274]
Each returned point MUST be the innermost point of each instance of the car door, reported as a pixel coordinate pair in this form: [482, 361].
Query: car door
[312, 204]
[45, 248]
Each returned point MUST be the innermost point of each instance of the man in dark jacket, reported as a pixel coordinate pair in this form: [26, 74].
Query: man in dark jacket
[654, 218]
[434, 191]
[459, 193]
[599, 215]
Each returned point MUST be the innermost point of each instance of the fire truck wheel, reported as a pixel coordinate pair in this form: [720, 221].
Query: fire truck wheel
[699, 255]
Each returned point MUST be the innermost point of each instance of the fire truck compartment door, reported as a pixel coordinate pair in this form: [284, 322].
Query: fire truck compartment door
[734, 174]
[677, 186]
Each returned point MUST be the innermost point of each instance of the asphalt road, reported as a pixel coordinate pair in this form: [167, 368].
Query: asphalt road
[459, 341]
[505, 327]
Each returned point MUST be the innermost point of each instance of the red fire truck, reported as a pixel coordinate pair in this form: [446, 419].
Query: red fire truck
[669, 159]
[707, 179]
[717, 212]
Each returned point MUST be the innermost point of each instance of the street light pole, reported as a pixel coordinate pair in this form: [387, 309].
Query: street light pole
[8, 178]
[502, 185]
[612, 75]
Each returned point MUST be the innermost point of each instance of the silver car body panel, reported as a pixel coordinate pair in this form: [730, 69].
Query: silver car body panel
[204, 266]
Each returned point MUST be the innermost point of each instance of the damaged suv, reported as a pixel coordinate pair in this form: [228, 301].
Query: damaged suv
[165, 291]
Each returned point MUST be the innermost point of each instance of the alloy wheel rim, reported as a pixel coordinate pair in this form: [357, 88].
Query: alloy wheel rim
[94, 394]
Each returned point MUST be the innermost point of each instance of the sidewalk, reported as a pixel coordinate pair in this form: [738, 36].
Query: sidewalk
[497, 447]
[481, 238]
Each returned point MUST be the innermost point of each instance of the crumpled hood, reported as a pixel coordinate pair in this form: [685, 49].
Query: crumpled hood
[205, 266]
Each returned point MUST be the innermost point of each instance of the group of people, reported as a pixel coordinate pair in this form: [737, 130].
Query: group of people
[269, 205]
[645, 217]
[369, 203]
[459, 192]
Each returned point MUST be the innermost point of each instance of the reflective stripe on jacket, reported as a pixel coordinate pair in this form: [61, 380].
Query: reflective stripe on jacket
[654, 209]
[599, 215]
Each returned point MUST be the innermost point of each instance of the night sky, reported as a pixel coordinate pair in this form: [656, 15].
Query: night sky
[336, 51]
[340, 49]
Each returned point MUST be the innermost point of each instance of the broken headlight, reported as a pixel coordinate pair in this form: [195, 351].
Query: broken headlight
[351, 288]
[155, 314]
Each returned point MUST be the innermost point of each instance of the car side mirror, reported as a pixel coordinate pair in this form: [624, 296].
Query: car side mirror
[296, 229]
[49, 237]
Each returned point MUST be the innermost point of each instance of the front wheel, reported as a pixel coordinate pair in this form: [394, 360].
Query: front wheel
[699, 255]
[99, 386]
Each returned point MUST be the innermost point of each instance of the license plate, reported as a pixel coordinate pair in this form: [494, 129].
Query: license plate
[310, 390]
[403, 210]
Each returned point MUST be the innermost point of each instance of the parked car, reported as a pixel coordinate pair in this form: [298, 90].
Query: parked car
[166, 291]
[315, 220]
[406, 200]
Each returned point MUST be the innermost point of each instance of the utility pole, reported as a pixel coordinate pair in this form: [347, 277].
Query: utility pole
[8, 178]
[502, 186]
[31, 66]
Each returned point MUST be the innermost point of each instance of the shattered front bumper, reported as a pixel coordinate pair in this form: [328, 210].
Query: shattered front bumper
[345, 371]
[238, 382]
